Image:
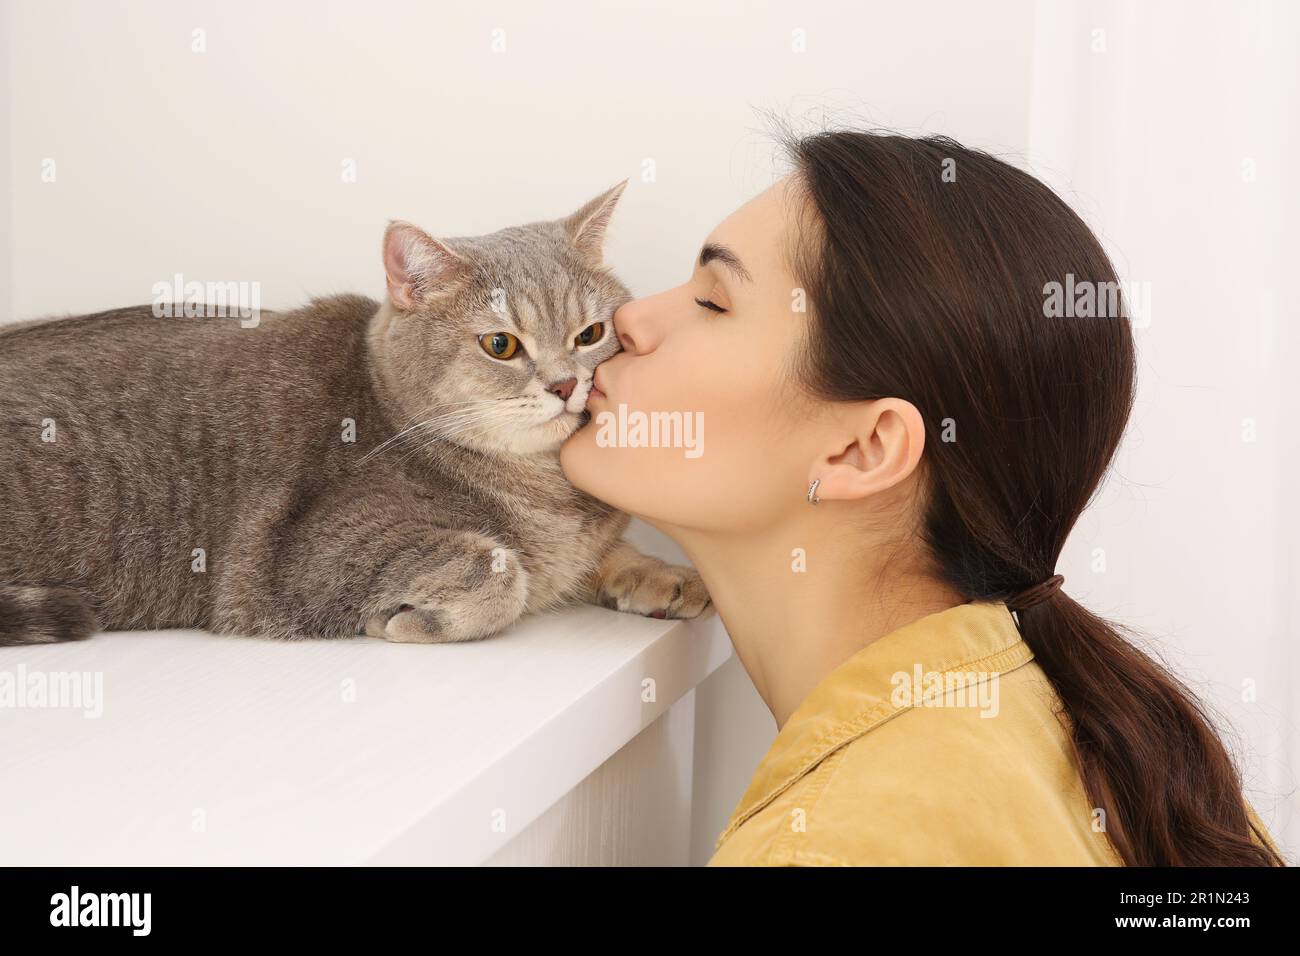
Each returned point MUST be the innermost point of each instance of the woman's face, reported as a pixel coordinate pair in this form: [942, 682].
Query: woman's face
[737, 455]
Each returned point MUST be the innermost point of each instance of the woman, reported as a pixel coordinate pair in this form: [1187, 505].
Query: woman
[901, 428]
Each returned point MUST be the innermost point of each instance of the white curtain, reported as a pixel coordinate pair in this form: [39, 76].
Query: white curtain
[1171, 127]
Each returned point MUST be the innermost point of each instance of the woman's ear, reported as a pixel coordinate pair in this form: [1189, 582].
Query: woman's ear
[879, 447]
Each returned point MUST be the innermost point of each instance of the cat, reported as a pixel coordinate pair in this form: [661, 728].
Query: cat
[349, 467]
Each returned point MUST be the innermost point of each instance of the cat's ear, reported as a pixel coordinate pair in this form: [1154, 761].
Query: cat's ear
[586, 227]
[419, 267]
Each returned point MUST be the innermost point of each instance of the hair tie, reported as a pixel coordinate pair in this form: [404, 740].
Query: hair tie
[1036, 594]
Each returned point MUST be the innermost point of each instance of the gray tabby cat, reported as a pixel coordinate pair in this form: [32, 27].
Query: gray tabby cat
[348, 467]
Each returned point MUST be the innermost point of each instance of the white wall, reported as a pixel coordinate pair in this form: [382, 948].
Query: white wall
[1173, 132]
[227, 164]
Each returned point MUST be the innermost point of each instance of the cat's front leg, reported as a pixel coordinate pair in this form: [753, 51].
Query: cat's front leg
[637, 583]
[475, 588]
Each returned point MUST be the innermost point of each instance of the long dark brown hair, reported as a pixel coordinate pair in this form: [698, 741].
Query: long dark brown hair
[927, 267]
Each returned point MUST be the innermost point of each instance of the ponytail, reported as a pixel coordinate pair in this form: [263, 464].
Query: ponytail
[1149, 756]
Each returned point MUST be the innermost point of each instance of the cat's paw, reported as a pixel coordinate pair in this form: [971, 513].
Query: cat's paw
[657, 589]
[484, 591]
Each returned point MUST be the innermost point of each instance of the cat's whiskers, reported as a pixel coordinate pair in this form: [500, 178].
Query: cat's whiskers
[454, 422]
[407, 429]
[456, 427]
[453, 426]
[427, 423]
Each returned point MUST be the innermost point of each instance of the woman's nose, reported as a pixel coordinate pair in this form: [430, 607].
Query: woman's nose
[638, 324]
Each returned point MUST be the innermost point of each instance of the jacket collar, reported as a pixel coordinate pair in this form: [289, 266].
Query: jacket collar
[976, 638]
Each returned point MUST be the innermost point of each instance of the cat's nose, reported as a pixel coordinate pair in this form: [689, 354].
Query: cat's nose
[563, 389]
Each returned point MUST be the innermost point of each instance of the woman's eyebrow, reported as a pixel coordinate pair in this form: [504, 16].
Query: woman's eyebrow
[713, 250]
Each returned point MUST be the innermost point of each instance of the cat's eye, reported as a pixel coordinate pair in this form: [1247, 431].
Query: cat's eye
[590, 335]
[499, 345]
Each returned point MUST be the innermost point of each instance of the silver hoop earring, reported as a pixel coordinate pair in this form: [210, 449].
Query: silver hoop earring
[812, 491]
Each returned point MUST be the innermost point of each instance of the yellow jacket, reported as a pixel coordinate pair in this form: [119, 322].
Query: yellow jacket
[875, 767]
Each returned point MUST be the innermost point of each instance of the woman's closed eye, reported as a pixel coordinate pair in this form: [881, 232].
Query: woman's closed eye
[712, 306]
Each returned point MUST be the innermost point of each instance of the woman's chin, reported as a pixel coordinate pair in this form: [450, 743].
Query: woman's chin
[575, 452]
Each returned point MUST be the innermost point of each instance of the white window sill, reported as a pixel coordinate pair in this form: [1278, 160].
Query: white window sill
[223, 750]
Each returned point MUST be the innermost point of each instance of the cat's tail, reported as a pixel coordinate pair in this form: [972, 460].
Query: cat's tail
[37, 614]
